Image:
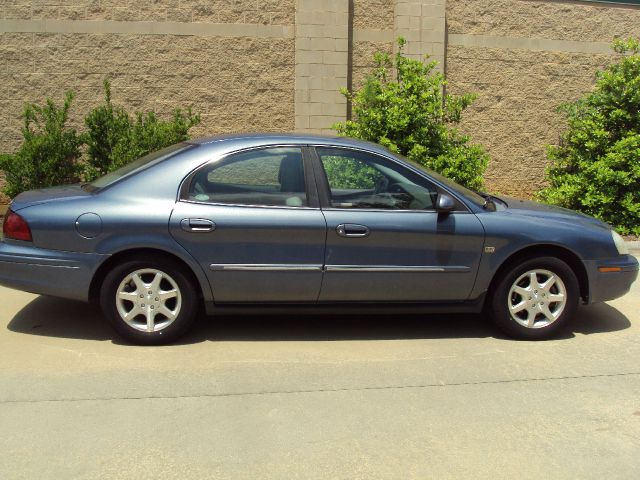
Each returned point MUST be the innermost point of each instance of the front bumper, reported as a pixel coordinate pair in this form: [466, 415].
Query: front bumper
[610, 285]
[47, 272]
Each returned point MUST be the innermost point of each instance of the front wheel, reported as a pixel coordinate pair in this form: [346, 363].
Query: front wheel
[149, 301]
[535, 299]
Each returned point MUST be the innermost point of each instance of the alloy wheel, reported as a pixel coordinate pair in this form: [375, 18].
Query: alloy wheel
[148, 300]
[537, 298]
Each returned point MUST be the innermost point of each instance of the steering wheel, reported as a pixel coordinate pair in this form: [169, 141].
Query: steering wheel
[396, 188]
[381, 185]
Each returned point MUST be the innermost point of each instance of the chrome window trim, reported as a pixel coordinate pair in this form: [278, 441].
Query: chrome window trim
[186, 181]
[246, 205]
[385, 210]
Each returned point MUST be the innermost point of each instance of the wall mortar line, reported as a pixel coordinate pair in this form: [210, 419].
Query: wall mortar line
[146, 28]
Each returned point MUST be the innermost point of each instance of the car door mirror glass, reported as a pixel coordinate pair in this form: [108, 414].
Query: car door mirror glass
[445, 203]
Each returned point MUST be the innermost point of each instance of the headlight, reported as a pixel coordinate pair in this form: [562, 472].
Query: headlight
[622, 247]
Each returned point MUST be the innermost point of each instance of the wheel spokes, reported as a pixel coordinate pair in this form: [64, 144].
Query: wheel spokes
[129, 296]
[140, 285]
[555, 297]
[540, 302]
[531, 318]
[167, 295]
[131, 314]
[523, 292]
[550, 282]
[518, 307]
[151, 315]
[167, 313]
[145, 294]
[155, 283]
[544, 309]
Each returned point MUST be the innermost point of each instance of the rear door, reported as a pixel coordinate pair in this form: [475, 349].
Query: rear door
[385, 241]
[253, 222]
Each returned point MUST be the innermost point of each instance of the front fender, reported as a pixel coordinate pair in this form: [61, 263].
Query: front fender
[508, 235]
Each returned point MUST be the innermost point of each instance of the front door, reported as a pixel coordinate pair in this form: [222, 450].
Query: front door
[385, 241]
[251, 223]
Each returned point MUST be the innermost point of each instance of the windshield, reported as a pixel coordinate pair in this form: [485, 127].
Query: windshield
[143, 162]
[464, 191]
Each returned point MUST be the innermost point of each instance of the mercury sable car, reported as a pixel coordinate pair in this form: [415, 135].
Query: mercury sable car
[280, 222]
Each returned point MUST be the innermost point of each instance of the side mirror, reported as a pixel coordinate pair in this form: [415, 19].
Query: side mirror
[445, 203]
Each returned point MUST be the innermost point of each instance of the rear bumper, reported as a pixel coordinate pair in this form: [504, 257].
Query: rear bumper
[605, 286]
[47, 272]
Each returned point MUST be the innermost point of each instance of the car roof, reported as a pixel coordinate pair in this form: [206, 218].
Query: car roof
[256, 139]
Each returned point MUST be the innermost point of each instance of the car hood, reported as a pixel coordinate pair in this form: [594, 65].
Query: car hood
[44, 195]
[550, 212]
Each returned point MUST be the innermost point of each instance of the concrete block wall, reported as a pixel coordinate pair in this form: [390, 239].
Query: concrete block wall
[277, 65]
[524, 59]
[321, 60]
[422, 24]
[231, 61]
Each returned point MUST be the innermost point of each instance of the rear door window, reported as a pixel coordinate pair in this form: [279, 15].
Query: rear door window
[263, 177]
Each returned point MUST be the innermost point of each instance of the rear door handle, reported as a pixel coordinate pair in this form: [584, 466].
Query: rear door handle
[198, 225]
[352, 230]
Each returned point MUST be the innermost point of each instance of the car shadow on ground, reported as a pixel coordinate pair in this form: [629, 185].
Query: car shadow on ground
[54, 317]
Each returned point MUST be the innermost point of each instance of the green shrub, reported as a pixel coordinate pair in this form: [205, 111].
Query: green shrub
[402, 106]
[596, 166]
[348, 173]
[50, 152]
[106, 126]
[53, 154]
[114, 138]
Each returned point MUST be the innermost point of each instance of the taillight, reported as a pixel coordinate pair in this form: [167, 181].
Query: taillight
[16, 227]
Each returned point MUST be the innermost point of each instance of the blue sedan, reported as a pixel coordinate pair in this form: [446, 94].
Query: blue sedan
[275, 223]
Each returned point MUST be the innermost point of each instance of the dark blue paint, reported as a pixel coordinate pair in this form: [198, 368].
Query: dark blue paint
[143, 210]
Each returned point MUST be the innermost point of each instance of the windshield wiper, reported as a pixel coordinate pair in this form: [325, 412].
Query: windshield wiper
[489, 203]
[87, 187]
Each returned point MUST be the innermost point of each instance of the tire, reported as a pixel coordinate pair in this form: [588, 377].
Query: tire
[149, 301]
[535, 299]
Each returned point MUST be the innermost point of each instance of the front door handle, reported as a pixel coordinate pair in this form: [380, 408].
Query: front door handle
[352, 230]
[198, 225]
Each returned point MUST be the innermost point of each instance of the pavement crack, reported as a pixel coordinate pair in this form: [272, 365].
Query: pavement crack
[322, 390]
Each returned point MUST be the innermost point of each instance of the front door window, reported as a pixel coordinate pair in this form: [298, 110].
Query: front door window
[359, 180]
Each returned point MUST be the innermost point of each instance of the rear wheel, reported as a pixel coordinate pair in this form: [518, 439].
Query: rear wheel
[535, 299]
[149, 301]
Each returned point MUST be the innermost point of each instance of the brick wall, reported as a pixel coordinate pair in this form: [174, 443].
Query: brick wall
[277, 65]
[242, 77]
[231, 82]
[373, 23]
[277, 12]
[523, 59]
[321, 64]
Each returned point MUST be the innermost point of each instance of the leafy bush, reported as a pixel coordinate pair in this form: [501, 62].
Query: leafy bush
[596, 166]
[402, 106]
[115, 139]
[106, 126]
[348, 173]
[50, 152]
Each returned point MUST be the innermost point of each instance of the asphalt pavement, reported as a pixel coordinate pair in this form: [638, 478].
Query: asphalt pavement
[444, 396]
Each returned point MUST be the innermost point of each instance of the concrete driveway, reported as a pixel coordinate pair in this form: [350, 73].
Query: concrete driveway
[326, 397]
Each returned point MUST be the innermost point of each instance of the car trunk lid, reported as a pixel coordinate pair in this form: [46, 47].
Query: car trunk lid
[45, 195]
